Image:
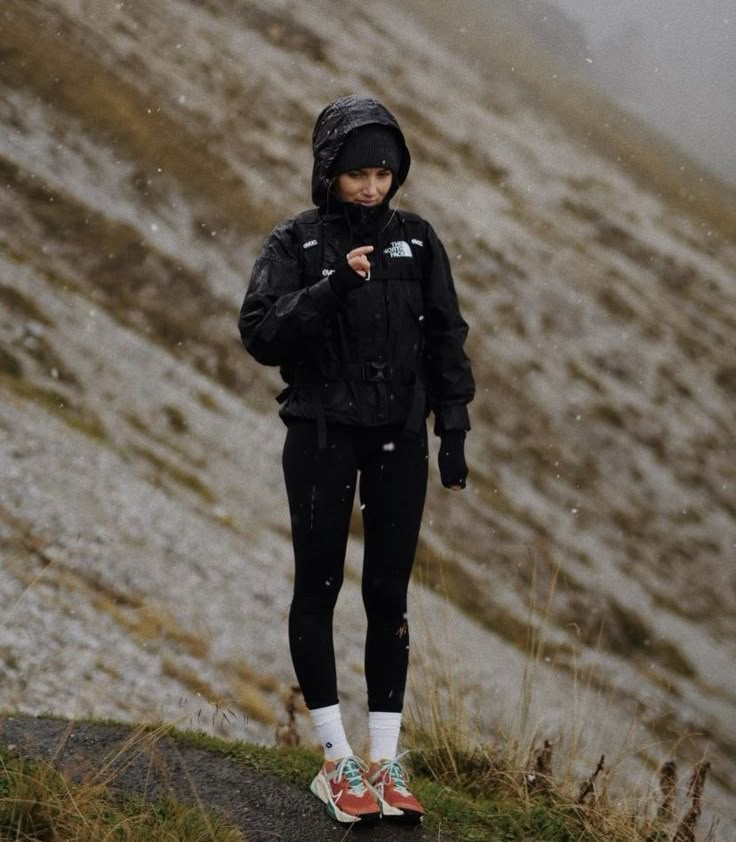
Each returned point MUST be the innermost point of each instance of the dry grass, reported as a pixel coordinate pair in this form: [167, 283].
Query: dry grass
[144, 619]
[60, 64]
[10, 365]
[251, 691]
[39, 803]
[167, 470]
[519, 768]
[74, 415]
[282, 30]
[248, 694]
[108, 262]
[248, 698]
[21, 306]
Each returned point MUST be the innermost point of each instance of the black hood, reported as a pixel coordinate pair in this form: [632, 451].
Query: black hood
[332, 126]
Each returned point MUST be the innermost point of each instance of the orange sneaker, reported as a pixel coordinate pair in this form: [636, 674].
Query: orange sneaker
[342, 786]
[389, 781]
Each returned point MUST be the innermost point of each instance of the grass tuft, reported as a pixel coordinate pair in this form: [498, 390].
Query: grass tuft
[182, 477]
[41, 804]
[176, 419]
[78, 417]
[10, 365]
[513, 783]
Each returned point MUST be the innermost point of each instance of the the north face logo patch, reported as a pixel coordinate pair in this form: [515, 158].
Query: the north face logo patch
[399, 248]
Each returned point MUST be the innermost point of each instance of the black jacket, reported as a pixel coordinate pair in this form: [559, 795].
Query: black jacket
[392, 350]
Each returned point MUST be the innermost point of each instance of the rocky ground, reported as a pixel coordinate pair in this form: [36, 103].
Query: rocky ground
[145, 151]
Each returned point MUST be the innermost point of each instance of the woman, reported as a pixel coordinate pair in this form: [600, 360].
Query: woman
[355, 302]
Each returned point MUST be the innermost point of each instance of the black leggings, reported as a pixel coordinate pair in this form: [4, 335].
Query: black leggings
[321, 487]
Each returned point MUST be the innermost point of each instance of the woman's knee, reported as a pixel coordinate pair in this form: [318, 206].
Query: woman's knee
[384, 600]
[317, 599]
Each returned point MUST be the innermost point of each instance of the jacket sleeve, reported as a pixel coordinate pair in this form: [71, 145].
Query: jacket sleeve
[450, 378]
[281, 319]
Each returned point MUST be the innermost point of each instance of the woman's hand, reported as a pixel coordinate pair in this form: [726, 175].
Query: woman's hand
[351, 273]
[358, 261]
[451, 457]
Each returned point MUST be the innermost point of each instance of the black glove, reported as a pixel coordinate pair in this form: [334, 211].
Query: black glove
[344, 279]
[451, 458]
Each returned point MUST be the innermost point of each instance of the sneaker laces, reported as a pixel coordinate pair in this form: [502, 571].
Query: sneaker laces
[353, 770]
[396, 773]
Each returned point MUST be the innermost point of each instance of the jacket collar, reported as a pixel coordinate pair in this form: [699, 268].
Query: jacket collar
[356, 215]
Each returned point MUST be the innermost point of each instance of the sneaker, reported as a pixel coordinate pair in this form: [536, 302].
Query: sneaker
[389, 781]
[341, 785]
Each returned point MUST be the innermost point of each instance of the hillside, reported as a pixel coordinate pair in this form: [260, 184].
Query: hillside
[145, 151]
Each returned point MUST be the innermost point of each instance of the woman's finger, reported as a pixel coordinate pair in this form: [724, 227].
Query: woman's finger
[359, 252]
[360, 264]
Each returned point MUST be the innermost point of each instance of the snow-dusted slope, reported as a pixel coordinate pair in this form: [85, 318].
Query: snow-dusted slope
[145, 151]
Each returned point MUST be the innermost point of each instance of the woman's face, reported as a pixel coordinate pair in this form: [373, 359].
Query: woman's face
[368, 186]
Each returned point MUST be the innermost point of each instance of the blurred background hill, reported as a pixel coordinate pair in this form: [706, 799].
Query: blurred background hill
[671, 62]
[145, 152]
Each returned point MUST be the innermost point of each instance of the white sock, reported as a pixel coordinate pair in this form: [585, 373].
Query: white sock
[330, 732]
[383, 730]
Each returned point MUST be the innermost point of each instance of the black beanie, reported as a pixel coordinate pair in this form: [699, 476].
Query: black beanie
[373, 145]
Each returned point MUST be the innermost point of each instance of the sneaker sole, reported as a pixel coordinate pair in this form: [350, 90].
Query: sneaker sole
[394, 813]
[321, 789]
[406, 817]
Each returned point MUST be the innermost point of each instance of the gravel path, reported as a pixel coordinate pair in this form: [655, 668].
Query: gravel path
[265, 808]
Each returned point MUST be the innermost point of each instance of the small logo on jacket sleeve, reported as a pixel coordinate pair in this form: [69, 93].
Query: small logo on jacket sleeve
[399, 248]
